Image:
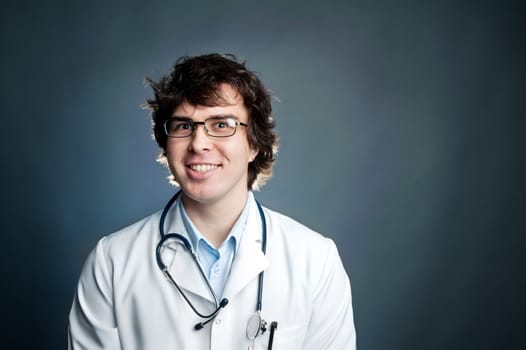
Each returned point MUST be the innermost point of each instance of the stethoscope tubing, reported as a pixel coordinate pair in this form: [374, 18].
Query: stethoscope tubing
[164, 269]
[264, 249]
[186, 243]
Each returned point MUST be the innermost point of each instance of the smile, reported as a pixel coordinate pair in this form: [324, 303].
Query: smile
[203, 168]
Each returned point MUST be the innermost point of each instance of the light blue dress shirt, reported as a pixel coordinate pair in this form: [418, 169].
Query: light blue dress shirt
[216, 263]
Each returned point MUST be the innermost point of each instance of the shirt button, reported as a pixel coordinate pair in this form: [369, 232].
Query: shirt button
[218, 321]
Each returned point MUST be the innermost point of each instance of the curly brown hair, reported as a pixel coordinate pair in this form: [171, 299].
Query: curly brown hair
[197, 80]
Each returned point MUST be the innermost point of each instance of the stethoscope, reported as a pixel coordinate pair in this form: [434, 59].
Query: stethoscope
[256, 324]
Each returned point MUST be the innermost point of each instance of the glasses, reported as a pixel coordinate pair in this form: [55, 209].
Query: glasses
[218, 126]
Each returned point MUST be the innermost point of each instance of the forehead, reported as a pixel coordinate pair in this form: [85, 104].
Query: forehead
[229, 102]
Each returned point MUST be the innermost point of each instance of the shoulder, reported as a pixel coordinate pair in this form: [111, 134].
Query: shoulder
[117, 248]
[140, 230]
[301, 247]
[119, 254]
[305, 263]
[291, 231]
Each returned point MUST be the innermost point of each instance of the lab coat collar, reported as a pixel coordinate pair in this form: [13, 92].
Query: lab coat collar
[248, 262]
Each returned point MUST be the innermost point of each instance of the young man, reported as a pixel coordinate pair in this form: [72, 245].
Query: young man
[213, 270]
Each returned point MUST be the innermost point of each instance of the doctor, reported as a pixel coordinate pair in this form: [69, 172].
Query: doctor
[258, 279]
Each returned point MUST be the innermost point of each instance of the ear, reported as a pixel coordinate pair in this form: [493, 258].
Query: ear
[253, 154]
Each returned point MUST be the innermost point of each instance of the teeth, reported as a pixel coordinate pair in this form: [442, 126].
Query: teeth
[203, 168]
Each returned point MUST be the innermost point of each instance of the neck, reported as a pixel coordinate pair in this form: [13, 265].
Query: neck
[215, 219]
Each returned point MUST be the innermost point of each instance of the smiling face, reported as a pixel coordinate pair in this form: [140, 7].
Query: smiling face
[209, 169]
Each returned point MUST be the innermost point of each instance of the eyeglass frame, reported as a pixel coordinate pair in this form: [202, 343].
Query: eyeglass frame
[203, 123]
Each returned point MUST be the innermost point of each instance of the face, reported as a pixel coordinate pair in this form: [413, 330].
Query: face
[211, 169]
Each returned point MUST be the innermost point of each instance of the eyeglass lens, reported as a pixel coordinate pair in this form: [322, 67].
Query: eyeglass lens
[215, 126]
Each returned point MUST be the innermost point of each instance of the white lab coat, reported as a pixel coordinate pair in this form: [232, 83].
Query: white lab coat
[123, 300]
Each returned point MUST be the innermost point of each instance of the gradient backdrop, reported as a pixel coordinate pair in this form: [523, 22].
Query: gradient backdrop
[401, 125]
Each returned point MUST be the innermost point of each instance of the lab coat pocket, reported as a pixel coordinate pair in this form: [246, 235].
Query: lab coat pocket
[286, 337]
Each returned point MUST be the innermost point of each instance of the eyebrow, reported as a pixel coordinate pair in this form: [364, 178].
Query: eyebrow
[178, 117]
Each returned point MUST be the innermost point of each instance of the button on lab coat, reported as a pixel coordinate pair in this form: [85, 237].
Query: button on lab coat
[123, 300]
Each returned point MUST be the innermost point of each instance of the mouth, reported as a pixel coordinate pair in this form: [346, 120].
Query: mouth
[203, 168]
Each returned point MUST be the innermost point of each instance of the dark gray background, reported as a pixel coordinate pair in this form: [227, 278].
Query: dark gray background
[401, 129]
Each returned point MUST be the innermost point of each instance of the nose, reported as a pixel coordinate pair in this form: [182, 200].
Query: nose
[200, 140]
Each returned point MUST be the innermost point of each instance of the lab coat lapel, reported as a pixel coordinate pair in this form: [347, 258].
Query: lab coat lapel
[186, 274]
[181, 266]
[249, 260]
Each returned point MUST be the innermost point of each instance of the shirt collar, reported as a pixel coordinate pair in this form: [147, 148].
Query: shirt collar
[235, 233]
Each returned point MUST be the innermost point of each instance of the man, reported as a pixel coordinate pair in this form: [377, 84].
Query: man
[258, 280]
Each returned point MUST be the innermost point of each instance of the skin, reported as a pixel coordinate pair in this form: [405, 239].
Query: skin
[213, 172]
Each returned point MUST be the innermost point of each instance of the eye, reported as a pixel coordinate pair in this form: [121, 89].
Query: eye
[181, 125]
[221, 124]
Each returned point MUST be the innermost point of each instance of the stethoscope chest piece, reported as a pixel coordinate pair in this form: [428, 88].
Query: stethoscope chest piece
[255, 326]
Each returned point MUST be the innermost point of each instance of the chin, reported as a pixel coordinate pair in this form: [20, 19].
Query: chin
[199, 194]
